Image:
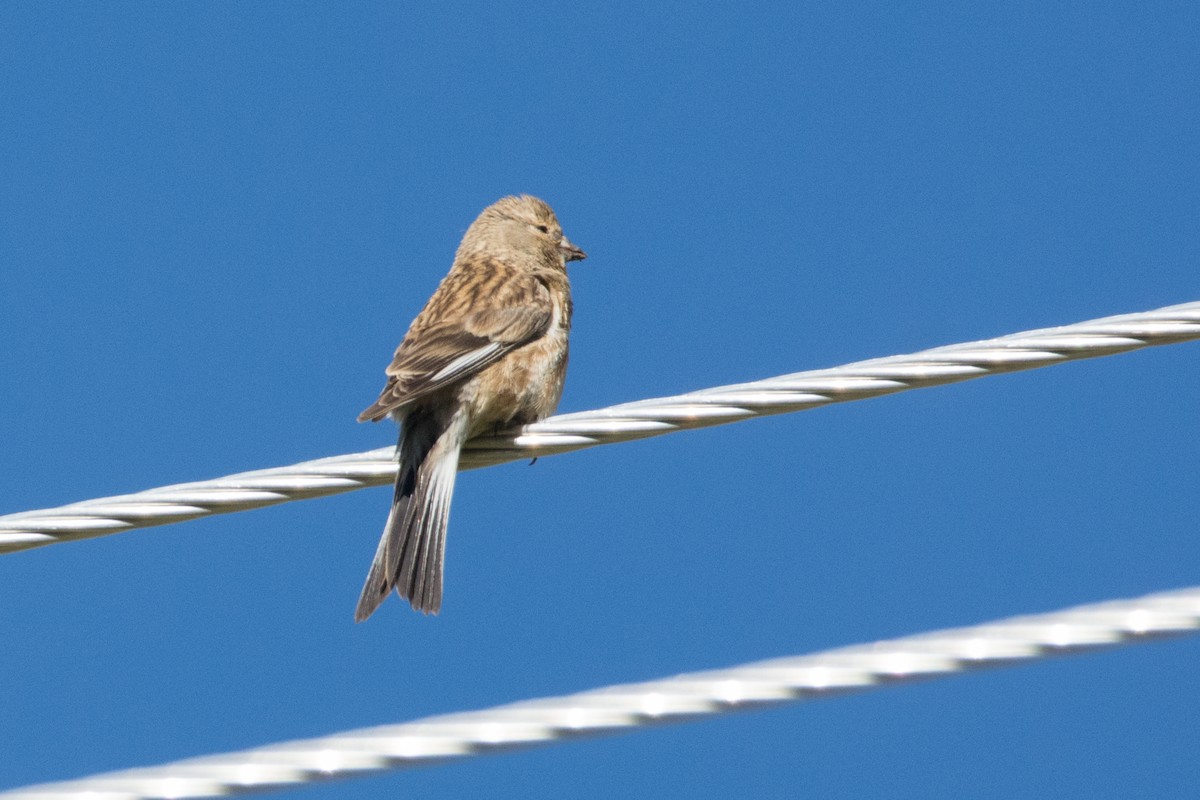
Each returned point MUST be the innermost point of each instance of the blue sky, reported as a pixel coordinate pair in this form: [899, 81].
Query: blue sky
[219, 218]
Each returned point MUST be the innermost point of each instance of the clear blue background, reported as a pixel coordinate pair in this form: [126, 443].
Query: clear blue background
[217, 219]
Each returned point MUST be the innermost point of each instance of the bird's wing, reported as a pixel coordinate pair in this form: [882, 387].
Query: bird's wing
[445, 352]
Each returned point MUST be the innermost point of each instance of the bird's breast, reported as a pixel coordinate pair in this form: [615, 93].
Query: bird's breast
[526, 384]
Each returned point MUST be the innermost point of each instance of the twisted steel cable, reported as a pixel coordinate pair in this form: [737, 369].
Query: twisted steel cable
[615, 709]
[636, 420]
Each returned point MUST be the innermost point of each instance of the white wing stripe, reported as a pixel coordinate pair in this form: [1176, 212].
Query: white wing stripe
[465, 362]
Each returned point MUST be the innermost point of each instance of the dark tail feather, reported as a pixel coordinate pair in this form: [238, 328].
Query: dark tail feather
[412, 549]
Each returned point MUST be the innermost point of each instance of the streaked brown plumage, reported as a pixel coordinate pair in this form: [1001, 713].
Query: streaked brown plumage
[488, 350]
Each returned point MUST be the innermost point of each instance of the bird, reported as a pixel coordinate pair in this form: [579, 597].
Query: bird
[488, 350]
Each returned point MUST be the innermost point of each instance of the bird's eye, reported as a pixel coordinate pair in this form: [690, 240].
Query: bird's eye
[543, 228]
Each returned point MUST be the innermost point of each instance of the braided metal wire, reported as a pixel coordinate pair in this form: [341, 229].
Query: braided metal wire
[637, 420]
[615, 709]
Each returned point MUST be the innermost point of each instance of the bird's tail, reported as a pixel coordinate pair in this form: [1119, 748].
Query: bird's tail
[411, 551]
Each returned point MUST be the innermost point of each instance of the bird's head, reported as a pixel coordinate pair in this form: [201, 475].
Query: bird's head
[521, 228]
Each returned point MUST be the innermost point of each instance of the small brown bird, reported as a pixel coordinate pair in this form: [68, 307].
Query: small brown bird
[488, 350]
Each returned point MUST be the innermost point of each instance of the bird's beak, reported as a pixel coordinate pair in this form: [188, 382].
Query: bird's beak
[571, 252]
